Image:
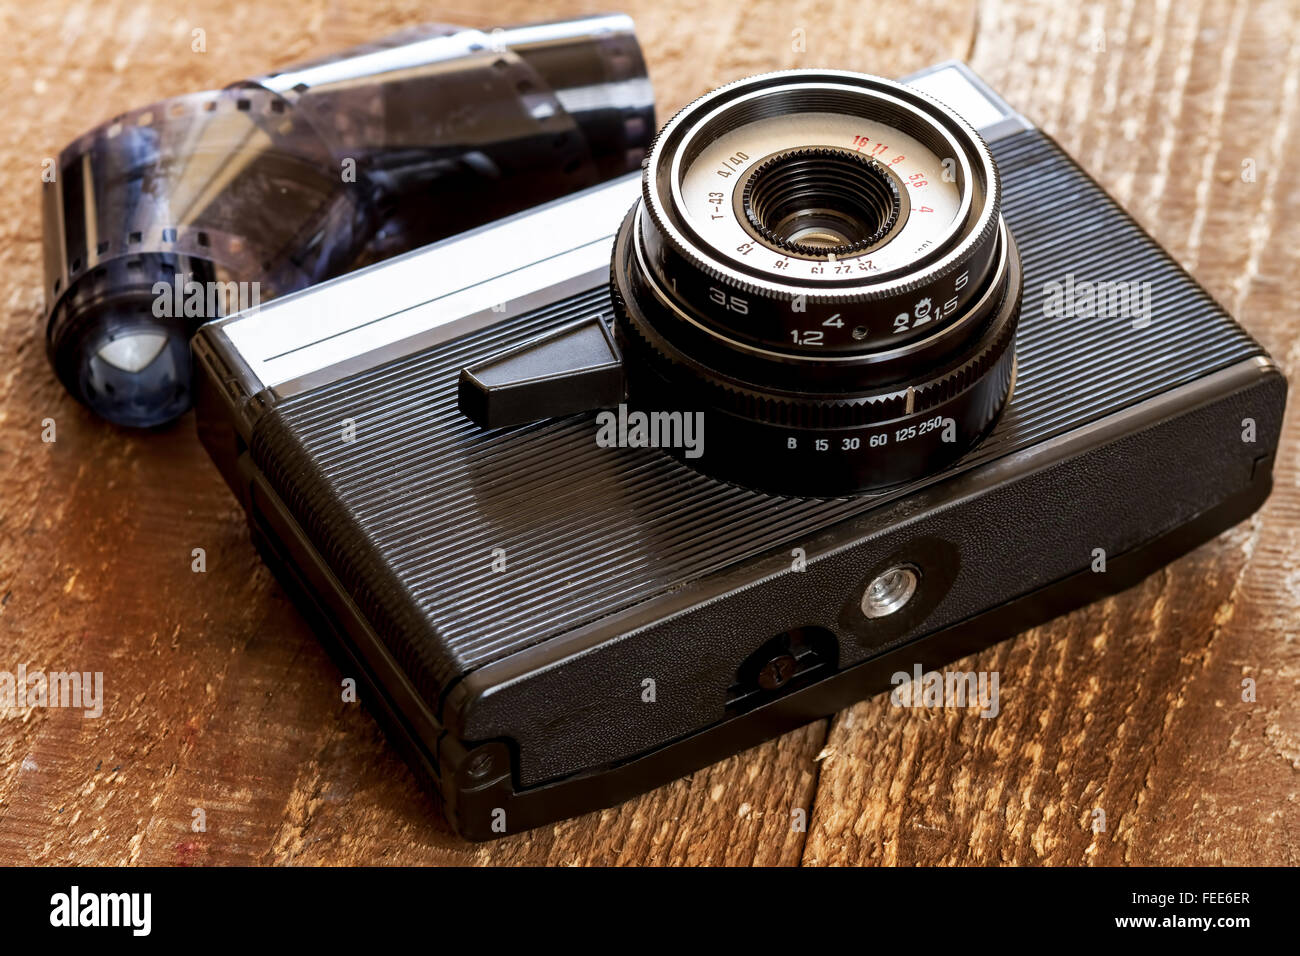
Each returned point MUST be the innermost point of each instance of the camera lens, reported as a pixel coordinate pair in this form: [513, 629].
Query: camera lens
[818, 262]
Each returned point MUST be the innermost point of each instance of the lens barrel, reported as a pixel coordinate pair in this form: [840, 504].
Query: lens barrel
[819, 264]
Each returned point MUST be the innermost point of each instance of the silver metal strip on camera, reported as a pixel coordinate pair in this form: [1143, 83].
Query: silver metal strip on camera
[434, 294]
[473, 280]
[958, 87]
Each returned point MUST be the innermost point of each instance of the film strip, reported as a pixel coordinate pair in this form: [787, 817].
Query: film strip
[280, 181]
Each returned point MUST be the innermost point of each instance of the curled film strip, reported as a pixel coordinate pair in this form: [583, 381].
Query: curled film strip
[283, 180]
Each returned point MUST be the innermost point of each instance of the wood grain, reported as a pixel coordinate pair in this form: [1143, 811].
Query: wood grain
[218, 697]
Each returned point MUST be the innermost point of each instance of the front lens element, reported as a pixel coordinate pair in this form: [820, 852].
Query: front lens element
[815, 203]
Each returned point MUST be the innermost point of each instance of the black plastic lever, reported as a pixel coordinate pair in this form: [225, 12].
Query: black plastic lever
[576, 368]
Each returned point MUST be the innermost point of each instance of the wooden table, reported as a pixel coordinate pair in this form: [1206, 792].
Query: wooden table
[218, 697]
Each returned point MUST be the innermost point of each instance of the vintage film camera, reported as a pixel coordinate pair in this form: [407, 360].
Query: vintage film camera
[936, 371]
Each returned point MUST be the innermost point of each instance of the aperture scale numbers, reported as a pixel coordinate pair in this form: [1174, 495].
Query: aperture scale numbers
[708, 187]
[917, 180]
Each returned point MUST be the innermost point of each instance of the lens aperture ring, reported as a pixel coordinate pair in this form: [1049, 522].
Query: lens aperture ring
[844, 301]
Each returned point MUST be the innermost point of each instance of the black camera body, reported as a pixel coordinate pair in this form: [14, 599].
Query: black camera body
[547, 625]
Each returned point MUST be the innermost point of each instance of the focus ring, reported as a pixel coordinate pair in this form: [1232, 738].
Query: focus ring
[812, 411]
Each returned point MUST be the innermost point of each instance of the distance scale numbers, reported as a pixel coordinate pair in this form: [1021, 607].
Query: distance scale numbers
[923, 312]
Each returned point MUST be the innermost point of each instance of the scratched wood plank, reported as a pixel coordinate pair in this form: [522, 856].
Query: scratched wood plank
[219, 699]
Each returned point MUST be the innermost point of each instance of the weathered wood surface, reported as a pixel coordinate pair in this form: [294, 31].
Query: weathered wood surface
[219, 698]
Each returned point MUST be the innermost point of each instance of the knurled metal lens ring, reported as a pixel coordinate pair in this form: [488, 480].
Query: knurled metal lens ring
[836, 305]
[799, 188]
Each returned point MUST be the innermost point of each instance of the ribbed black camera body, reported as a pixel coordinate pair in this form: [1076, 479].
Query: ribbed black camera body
[546, 625]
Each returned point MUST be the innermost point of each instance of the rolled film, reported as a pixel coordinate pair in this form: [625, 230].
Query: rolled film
[195, 206]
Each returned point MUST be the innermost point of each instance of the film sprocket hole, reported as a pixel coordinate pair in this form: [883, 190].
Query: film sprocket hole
[842, 410]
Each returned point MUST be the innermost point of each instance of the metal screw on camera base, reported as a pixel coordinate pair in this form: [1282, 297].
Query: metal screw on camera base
[777, 671]
[889, 591]
[480, 765]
